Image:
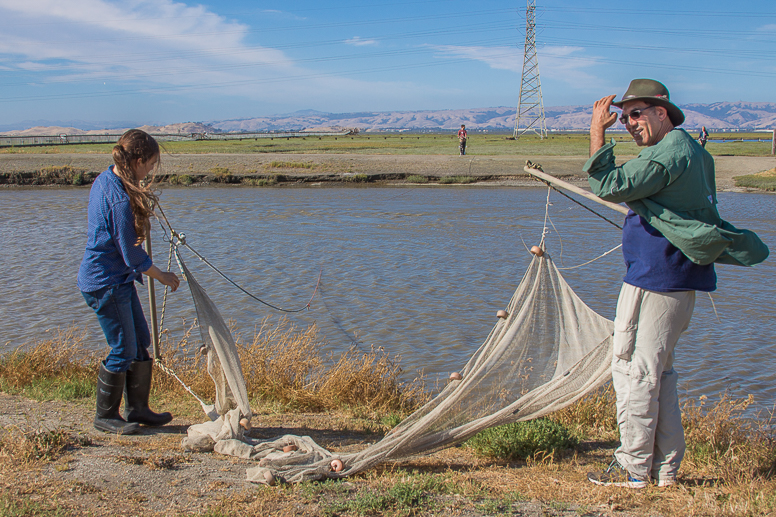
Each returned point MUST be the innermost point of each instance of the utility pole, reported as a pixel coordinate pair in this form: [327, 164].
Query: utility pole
[530, 107]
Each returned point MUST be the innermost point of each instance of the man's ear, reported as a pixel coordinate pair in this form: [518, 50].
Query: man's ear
[662, 113]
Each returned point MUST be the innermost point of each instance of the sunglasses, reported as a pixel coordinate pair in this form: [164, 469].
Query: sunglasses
[633, 115]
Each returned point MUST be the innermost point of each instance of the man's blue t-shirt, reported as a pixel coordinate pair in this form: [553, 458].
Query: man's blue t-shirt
[653, 263]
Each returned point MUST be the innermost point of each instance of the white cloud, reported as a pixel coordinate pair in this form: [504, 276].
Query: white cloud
[159, 42]
[358, 42]
[568, 64]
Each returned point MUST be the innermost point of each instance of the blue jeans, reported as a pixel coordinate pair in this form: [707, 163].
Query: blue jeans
[122, 320]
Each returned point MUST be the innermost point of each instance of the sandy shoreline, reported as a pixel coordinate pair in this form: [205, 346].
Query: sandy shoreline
[320, 168]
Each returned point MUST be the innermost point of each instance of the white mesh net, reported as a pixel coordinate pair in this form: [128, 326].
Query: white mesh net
[548, 351]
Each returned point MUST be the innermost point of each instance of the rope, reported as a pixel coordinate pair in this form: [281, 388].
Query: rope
[550, 188]
[169, 371]
[577, 202]
[181, 241]
[592, 260]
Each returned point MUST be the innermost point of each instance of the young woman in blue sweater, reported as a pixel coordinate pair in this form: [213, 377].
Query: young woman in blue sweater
[119, 212]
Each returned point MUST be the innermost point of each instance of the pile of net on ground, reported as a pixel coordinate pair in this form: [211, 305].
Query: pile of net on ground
[548, 351]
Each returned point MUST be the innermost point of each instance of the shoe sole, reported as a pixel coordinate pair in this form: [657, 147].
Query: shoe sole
[623, 484]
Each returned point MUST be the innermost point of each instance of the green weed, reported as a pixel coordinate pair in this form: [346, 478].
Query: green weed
[416, 178]
[522, 440]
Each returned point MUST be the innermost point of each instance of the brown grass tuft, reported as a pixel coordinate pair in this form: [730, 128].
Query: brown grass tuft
[64, 356]
[283, 364]
[723, 444]
[594, 415]
[27, 447]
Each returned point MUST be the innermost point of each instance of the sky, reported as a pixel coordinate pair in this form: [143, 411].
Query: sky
[135, 62]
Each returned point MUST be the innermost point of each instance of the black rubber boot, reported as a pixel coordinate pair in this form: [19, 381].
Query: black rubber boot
[110, 386]
[138, 388]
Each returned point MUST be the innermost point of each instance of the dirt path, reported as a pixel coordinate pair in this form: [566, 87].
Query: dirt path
[150, 473]
[335, 167]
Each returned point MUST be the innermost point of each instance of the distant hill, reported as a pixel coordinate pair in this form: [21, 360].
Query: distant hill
[186, 128]
[717, 116]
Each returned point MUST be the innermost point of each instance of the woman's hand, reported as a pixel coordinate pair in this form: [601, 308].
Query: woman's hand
[167, 278]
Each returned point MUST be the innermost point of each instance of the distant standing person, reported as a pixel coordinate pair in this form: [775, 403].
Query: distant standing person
[462, 137]
[703, 136]
[118, 214]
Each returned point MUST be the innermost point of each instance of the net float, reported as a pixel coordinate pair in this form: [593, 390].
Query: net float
[269, 477]
[536, 250]
[290, 448]
[502, 314]
[245, 424]
[336, 465]
[455, 376]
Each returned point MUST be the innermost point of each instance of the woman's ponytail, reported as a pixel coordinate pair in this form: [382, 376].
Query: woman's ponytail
[135, 145]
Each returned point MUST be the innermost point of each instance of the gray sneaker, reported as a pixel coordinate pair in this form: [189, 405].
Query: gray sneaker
[665, 482]
[616, 475]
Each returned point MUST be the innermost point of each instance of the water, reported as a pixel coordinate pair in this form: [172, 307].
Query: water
[418, 271]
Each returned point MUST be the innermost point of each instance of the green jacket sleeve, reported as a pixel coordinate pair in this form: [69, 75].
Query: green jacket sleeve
[636, 179]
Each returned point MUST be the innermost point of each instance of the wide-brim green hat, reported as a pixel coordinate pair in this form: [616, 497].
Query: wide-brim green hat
[653, 92]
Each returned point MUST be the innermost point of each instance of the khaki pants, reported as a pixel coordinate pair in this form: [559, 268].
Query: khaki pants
[646, 328]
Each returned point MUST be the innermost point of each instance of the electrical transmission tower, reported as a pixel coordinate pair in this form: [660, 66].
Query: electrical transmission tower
[530, 107]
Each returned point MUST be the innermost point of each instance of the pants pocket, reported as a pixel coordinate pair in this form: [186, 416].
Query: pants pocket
[624, 338]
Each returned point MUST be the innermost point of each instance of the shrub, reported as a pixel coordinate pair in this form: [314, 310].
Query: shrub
[522, 440]
[355, 178]
[58, 175]
[223, 175]
[457, 179]
[416, 178]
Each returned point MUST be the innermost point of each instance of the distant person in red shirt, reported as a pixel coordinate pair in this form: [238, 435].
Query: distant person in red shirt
[462, 136]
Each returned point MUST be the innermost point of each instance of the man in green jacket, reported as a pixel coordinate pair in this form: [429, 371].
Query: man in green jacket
[672, 236]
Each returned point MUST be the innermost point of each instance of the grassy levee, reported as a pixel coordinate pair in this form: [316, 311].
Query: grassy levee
[765, 180]
[480, 144]
[729, 468]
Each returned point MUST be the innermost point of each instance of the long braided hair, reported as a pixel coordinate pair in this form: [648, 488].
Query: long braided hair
[135, 145]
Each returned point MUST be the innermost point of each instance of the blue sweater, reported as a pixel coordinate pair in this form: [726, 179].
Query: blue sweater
[655, 264]
[112, 256]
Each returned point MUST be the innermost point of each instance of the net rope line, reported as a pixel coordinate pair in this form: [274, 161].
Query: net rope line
[550, 188]
[207, 408]
[181, 241]
[177, 239]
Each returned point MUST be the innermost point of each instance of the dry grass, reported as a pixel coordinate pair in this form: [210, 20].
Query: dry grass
[723, 445]
[59, 367]
[34, 446]
[593, 416]
[283, 365]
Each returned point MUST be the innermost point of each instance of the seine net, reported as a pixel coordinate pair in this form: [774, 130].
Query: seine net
[548, 351]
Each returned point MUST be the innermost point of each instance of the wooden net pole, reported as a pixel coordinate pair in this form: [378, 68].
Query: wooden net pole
[152, 304]
[568, 186]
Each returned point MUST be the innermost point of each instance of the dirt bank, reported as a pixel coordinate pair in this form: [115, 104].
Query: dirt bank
[323, 168]
[150, 474]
